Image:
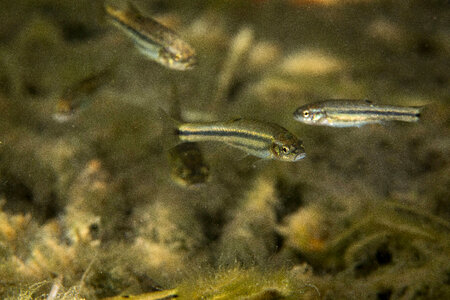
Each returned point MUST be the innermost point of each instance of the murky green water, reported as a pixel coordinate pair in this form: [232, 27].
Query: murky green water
[92, 205]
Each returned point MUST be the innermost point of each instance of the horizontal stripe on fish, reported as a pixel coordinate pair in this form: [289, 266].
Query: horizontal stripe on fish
[376, 112]
[221, 132]
[138, 36]
[251, 142]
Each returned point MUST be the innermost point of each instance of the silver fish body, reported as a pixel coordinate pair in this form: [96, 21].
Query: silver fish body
[153, 39]
[260, 139]
[353, 113]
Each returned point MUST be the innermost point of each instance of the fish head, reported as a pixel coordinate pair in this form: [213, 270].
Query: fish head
[309, 114]
[288, 148]
[187, 176]
[188, 167]
[178, 60]
[64, 110]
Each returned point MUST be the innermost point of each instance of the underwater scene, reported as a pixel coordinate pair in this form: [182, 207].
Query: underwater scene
[224, 149]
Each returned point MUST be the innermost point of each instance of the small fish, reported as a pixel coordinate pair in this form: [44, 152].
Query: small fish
[79, 95]
[153, 39]
[187, 165]
[261, 139]
[157, 295]
[353, 113]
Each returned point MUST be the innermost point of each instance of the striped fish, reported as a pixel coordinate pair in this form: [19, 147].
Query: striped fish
[260, 139]
[353, 113]
[153, 39]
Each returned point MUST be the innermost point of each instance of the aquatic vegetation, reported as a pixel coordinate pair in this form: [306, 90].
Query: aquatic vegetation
[246, 284]
[386, 236]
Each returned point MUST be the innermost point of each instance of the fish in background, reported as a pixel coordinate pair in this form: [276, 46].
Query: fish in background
[239, 49]
[187, 166]
[156, 295]
[79, 95]
[353, 113]
[264, 140]
[152, 39]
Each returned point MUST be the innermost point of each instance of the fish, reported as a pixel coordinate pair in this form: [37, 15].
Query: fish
[353, 113]
[156, 295]
[79, 95]
[152, 39]
[264, 140]
[187, 165]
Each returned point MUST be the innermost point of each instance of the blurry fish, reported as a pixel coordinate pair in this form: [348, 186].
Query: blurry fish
[261, 139]
[79, 95]
[153, 39]
[157, 295]
[239, 49]
[187, 166]
[353, 113]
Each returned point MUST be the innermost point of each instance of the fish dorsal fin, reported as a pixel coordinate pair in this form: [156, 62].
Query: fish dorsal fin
[131, 8]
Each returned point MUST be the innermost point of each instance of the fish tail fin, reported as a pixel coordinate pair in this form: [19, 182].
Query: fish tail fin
[115, 11]
[409, 113]
[169, 130]
[417, 112]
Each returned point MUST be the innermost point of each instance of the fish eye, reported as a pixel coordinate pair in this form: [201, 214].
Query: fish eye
[305, 113]
[285, 149]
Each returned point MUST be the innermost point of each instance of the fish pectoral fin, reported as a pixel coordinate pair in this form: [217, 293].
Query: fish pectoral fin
[243, 157]
[256, 162]
[150, 50]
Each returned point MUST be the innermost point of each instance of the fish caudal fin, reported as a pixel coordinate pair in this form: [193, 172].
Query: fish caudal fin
[169, 131]
[418, 111]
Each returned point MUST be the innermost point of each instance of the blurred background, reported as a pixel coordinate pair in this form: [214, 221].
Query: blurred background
[94, 205]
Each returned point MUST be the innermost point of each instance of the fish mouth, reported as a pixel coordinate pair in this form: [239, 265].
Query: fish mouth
[300, 156]
[185, 65]
[191, 63]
